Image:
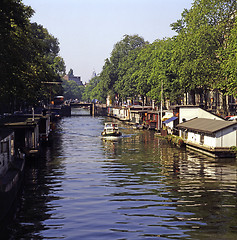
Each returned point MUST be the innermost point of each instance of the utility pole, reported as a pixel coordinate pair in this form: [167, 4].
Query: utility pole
[161, 103]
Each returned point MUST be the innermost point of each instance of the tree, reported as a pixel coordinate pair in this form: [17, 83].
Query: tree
[14, 22]
[228, 56]
[29, 56]
[201, 33]
[72, 90]
[119, 67]
[200, 58]
[93, 90]
[43, 64]
[126, 85]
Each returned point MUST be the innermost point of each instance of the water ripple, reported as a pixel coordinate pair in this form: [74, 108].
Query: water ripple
[139, 187]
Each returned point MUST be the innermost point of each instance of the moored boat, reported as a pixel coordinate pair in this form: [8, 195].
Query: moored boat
[11, 171]
[111, 130]
[138, 126]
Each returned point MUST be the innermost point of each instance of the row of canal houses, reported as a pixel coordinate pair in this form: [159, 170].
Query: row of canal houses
[21, 137]
[201, 130]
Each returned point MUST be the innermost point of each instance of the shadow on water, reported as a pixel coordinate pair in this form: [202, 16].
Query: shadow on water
[33, 205]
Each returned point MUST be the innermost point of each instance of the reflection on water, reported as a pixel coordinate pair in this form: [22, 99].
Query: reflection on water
[135, 187]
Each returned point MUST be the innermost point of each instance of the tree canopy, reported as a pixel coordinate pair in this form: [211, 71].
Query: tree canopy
[200, 57]
[29, 58]
[72, 90]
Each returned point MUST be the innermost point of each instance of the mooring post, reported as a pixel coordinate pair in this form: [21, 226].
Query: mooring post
[92, 110]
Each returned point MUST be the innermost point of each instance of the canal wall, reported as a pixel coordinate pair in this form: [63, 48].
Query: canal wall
[100, 110]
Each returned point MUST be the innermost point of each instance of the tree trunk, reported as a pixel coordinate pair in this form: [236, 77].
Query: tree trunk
[192, 93]
[224, 105]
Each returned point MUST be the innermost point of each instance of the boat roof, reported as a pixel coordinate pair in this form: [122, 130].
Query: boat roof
[206, 125]
[19, 121]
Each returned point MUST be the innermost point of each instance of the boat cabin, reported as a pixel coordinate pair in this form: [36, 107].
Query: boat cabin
[216, 137]
[26, 130]
[44, 127]
[111, 129]
[122, 113]
[6, 149]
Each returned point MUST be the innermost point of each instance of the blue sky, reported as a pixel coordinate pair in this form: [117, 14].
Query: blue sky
[88, 29]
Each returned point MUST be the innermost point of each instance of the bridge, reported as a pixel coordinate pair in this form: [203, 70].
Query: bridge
[95, 109]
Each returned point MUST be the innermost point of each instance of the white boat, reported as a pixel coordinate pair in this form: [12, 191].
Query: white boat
[111, 130]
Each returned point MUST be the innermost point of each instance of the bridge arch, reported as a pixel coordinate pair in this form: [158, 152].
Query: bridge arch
[91, 105]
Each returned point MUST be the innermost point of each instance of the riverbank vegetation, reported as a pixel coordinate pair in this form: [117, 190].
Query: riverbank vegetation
[71, 90]
[201, 57]
[30, 62]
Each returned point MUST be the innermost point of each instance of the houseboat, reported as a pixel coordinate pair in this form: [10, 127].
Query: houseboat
[11, 170]
[209, 136]
[121, 113]
[44, 127]
[111, 130]
[27, 134]
[138, 115]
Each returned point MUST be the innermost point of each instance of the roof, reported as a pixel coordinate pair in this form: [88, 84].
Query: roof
[139, 107]
[19, 121]
[206, 125]
[138, 111]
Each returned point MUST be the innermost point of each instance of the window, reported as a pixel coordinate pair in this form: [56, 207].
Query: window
[4, 147]
[184, 134]
[201, 139]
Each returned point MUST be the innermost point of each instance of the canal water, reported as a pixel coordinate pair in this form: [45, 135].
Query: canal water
[135, 187]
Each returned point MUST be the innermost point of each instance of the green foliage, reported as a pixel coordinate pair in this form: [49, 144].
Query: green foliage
[176, 140]
[234, 149]
[202, 33]
[228, 56]
[202, 56]
[94, 90]
[28, 57]
[72, 90]
[117, 71]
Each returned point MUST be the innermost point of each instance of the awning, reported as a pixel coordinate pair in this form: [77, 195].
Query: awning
[170, 120]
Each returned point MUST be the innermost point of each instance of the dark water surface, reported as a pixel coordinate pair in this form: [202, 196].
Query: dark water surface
[138, 187]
